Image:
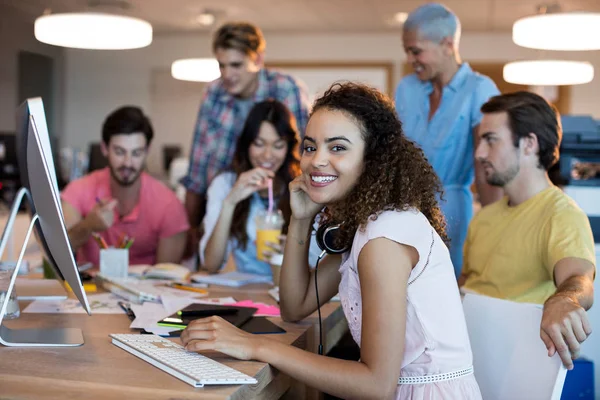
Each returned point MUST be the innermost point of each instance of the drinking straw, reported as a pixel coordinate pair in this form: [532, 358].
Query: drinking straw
[270, 186]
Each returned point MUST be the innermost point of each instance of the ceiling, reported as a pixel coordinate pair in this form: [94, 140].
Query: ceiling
[175, 16]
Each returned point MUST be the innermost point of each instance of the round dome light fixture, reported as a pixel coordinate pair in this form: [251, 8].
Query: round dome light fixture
[576, 31]
[94, 31]
[206, 18]
[196, 69]
[548, 72]
[400, 17]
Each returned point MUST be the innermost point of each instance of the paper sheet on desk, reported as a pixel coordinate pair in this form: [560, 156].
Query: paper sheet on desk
[101, 303]
[148, 314]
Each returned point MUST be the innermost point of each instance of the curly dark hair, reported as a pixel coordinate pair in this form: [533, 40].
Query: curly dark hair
[396, 174]
[283, 120]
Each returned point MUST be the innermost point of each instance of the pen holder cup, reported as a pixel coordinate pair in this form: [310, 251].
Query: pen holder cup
[114, 263]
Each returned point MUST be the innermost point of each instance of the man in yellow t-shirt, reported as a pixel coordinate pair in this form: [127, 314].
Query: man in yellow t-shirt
[535, 245]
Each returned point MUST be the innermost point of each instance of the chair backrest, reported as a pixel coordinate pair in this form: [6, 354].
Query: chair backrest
[509, 357]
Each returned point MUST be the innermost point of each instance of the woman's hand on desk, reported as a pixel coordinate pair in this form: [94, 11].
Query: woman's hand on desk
[214, 333]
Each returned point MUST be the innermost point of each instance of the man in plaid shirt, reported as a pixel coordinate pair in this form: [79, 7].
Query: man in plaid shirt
[239, 48]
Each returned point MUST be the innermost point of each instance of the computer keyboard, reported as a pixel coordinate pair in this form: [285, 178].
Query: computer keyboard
[173, 358]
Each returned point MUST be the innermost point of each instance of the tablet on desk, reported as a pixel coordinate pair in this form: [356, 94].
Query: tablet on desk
[242, 317]
[261, 326]
[255, 325]
[236, 316]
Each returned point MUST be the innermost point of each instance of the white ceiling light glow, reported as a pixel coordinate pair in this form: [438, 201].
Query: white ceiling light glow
[548, 72]
[196, 69]
[559, 31]
[400, 17]
[94, 31]
[206, 18]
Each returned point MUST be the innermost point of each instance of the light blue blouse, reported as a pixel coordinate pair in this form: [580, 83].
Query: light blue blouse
[447, 140]
[245, 259]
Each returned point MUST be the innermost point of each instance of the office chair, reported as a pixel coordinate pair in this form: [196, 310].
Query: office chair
[509, 358]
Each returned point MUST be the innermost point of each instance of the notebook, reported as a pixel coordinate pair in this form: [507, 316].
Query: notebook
[160, 271]
[232, 279]
[132, 289]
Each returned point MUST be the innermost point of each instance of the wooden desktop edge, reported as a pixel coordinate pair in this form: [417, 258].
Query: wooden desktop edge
[34, 372]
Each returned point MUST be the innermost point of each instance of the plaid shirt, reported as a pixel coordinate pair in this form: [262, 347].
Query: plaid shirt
[221, 119]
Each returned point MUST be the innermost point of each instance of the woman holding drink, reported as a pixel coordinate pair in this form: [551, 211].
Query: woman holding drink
[248, 206]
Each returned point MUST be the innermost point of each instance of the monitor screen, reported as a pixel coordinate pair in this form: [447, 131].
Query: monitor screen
[38, 176]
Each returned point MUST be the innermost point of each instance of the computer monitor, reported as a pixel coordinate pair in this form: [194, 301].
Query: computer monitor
[38, 177]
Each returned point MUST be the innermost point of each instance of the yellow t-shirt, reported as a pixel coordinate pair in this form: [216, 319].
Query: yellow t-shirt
[510, 252]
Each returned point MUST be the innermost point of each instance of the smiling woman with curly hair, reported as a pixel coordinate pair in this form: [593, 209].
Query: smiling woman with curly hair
[395, 280]
[395, 176]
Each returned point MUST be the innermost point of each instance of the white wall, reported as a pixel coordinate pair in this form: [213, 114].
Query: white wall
[98, 82]
[16, 34]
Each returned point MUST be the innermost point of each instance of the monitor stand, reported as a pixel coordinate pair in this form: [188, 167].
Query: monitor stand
[60, 337]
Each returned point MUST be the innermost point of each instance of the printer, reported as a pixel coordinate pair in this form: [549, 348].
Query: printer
[579, 166]
[578, 173]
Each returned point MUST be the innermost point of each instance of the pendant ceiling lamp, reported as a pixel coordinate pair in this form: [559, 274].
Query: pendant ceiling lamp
[93, 30]
[555, 30]
[548, 72]
[196, 69]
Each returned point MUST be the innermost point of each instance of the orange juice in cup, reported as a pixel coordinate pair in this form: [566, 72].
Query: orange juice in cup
[268, 229]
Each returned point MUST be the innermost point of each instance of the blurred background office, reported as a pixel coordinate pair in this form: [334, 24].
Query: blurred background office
[316, 41]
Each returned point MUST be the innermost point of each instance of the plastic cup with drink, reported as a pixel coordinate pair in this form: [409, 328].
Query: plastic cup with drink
[268, 227]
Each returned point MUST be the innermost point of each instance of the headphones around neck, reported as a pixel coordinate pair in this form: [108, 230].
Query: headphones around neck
[325, 237]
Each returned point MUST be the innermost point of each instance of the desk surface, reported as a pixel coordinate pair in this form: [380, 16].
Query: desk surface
[101, 370]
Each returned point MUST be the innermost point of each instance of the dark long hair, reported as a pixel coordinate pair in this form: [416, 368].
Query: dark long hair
[278, 115]
[396, 174]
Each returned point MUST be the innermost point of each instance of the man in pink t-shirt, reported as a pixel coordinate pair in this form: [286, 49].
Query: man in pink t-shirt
[122, 200]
